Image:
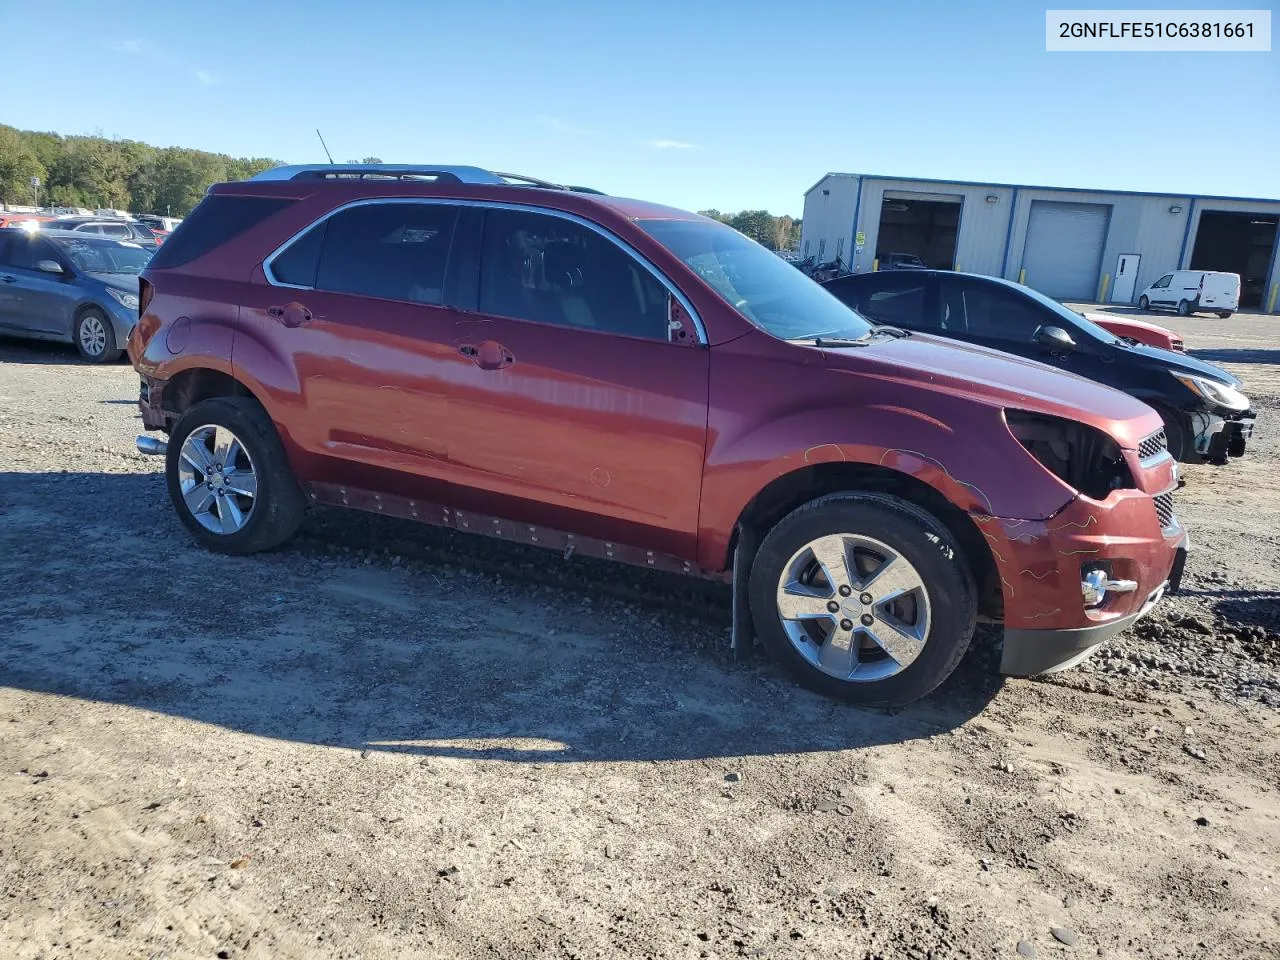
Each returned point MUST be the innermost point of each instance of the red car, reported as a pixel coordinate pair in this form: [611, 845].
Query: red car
[1152, 334]
[625, 380]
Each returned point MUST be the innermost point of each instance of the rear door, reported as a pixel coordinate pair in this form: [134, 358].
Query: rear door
[1220, 291]
[574, 409]
[1185, 286]
[356, 305]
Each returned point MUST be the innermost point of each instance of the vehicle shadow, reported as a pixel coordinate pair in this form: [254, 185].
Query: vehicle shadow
[316, 643]
[1251, 608]
[42, 352]
[1237, 356]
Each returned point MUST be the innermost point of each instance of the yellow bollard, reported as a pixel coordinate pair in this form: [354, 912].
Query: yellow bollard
[1022, 276]
[1271, 304]
[875, 265]
[1106, 282]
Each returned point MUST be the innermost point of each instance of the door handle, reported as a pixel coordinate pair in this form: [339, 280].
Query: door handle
[291, 315]
[487, 355]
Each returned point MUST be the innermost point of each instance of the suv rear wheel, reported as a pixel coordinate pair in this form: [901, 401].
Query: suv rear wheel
[865, 597]
[229, 479]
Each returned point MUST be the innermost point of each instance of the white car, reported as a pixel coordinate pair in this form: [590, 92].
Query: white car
[1194, 291]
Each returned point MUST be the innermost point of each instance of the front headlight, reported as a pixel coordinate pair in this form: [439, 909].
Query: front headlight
[1218, 394]
[1081, 456]
[127, 300]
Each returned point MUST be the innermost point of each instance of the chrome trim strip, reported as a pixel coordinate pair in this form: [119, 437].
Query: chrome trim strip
[494, 205]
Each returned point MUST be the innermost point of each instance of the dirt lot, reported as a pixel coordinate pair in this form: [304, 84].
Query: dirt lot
[450, 748]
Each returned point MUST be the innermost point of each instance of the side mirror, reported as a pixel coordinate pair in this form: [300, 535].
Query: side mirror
[1055, 338]
[49, 266]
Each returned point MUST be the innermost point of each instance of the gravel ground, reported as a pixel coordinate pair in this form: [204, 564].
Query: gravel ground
[395, 742]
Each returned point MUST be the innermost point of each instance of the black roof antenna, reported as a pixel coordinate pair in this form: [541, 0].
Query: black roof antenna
[323, 144]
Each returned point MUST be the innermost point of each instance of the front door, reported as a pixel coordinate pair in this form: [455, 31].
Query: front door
[1160, 290]
[574, 410]
[356, 303]
[1126, 278]
[31, 300]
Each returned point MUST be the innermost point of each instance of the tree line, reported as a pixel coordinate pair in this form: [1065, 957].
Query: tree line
[95, 172]
[776, 233]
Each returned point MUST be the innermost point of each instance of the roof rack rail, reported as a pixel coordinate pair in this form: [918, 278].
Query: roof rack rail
[381, 171]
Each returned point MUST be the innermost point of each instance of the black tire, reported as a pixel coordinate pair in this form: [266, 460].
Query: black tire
[1224, 314]
[1175, 432]
[109, 351]
[1184, 308]
[278, 507]
[1144, 303]
[922, 541]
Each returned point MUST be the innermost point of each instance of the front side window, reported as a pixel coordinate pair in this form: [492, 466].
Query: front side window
[895, 300]
[986, 310]
[1163, 281]
[394, 251]
[760, 285]
[18, 253]
[551, 270]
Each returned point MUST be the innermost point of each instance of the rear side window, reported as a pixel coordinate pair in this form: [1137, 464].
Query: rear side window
[215, 220]
[395, 251]
[296, 265]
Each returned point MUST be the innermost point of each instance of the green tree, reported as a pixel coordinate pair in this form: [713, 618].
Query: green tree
[18, 164]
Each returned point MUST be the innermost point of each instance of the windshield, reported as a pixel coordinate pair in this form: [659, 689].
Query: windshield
[760, 285]
[1079, 320]
[103, 255]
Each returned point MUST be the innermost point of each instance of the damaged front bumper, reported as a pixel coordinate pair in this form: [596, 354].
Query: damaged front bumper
[1218, 438]
[1053, 618]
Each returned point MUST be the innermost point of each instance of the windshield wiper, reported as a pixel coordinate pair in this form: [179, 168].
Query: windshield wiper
[824, 341]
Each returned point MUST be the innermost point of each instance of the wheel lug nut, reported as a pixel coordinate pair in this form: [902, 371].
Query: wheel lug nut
[846, 624]
[866, 599]
[868, 619]
[833, 606]
[845, 591]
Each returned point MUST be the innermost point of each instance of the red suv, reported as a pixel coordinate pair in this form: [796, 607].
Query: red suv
[625, 380]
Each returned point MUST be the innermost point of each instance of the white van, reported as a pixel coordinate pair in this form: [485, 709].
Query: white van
[1194, 291]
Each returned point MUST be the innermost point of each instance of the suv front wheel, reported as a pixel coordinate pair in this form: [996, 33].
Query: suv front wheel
[229, 479]
[864, 597]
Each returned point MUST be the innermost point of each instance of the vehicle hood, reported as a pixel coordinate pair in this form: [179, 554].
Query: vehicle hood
[1181, 363]
[1001, 380]
[127, 282]
[1127, 327]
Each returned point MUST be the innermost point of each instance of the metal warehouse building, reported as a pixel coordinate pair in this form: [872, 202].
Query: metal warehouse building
[1086, 245]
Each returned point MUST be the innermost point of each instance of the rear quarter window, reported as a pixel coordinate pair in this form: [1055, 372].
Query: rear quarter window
[215, 220]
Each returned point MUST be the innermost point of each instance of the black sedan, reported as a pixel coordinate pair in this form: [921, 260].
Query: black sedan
[1207, 417]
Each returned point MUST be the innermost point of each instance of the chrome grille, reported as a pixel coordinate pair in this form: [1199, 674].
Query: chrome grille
[1164, 510]
[1153, 445]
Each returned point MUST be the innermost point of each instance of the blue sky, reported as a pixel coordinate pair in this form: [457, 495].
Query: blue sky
[700, 103]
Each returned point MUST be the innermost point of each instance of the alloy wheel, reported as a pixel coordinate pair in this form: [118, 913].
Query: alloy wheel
[854, 607]
[218, 479]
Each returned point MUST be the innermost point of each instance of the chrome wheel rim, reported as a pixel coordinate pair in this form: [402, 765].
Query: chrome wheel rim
[217, 477]
[854, 607]
[93, 335]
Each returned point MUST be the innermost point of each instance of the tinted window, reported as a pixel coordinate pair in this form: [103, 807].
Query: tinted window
[396, 251]
[118, 230]
[19, 253]
[143, 231]
[897, 299]
[551, 270]
[987, 310]
[214, 221]
[760, 285]
[298, 262]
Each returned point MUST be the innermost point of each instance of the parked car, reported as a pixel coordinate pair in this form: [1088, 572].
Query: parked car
[160, 226]
[1139, 331]
[130, 230]
[901, 261]
[1207, 418]
[71, 287]
[22, 220]
[1194, 291]
[624, 380]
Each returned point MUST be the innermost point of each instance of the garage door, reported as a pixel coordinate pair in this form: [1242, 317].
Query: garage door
[1063, 256]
